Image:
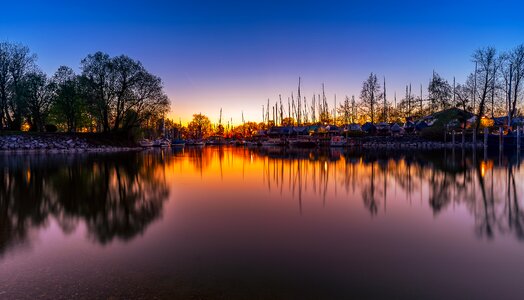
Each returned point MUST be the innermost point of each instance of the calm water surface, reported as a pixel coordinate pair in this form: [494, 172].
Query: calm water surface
[261, 223]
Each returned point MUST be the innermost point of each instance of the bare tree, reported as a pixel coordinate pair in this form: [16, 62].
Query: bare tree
[487, 62]
[371, 95]
[513, 75]
[439, 93]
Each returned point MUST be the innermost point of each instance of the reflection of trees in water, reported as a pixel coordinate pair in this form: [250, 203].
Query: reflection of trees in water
[116, 195]
[514, 214]
[24, 201]
[498, 208]
[489, 192]
[299, 171]
[200, 159]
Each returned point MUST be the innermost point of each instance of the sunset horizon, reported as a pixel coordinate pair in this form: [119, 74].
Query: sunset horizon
[293, 149]
[236, 56]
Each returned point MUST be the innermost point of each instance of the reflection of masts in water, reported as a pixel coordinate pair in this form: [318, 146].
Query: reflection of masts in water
[385, 187]
[410, 184]
[336, 182]
[220, 158]
[281, 177]
[314, 180]
[487, 222]
[368, 194]
[325, 178]
[299, 164]
[514, 213]
[243, 162]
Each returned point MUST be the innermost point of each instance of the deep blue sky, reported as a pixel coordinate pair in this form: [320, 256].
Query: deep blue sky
[236, 54]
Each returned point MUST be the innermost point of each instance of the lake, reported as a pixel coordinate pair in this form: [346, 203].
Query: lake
[232, 222]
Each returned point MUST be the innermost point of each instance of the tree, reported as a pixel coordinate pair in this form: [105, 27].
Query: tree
[463, 94]
[513, 75]
[15, 62]
[36, 99]
[68, 103]
[96, 71]
[439, 93]
[370, 95]
[120, 89]
[288, 121]
[199, 127]
[344, 111]
[487, 63]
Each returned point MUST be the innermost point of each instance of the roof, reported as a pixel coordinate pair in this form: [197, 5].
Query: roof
[395, 127]
[368, 126]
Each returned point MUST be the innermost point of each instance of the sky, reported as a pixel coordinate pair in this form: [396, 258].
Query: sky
[236, 55]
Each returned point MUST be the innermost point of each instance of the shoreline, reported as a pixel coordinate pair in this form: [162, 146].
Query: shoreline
[56, 143]
[65, 143]
[72, 150]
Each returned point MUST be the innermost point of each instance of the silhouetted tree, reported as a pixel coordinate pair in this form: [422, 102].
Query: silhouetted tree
[121, 86]
[68, 104]
[199, 127]
[439, 93]
[36, 99]
[15, 62]
[487, 62]
[370, 95]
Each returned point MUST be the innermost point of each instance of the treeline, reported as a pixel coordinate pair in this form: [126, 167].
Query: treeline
[110, 94]
[493, 88]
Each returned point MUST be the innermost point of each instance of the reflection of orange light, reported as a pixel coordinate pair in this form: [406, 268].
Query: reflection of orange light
[28, 175]
[325, 166]
[484, 166]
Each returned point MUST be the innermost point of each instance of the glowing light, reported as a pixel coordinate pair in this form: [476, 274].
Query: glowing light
[25, 126]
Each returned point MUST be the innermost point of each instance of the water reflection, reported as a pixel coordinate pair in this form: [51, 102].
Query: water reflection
[261, 223]
[115, 196]
[484, 184]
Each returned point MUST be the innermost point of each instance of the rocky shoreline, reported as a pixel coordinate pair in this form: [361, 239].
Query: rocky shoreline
[54, 143]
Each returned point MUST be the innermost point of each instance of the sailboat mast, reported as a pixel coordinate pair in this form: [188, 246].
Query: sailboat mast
[385, 102]
[298, 104]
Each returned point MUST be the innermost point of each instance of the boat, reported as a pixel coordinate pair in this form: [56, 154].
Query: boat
[163, 143]
[145, 143]
[195, 143]
[302, 142]
[383, 128]
[216, 141]
[273, 142]
[409, 127]
[396, 129]
[178, 142]
[338, 141]
[199, 143]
